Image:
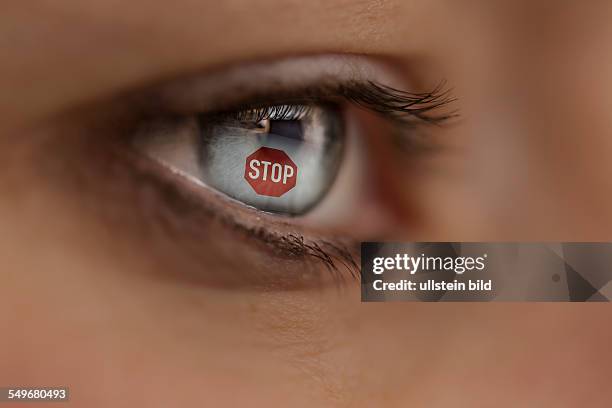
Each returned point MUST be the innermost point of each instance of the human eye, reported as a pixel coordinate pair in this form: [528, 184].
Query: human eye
[278, 158]
[276, 144]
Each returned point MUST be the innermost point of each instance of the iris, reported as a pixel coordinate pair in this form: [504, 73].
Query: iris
[310, 136]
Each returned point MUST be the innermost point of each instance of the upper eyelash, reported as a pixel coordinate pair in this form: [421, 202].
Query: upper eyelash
[276, 112]
[399, 104]
[408, 108]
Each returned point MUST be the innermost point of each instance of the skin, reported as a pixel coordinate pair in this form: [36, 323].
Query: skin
[94, 296]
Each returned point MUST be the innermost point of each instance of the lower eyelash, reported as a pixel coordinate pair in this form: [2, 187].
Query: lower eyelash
[337, 257]
[333, 256]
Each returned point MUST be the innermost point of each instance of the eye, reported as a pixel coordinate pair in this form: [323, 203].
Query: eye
[278, 158]
[274, 136]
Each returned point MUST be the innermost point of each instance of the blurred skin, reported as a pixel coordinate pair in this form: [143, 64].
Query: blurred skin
[89, 301]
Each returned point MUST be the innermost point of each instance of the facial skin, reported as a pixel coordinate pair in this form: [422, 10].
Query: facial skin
[129, 303]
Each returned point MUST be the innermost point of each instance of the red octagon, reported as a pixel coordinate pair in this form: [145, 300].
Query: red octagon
[270, 172]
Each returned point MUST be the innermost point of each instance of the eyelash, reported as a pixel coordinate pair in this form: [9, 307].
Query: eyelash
[407, 111]
[402, 105]
[405, 108]
[276, 112]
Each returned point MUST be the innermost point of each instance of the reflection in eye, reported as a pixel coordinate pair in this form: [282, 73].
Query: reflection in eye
[279, 158]
[277, 140]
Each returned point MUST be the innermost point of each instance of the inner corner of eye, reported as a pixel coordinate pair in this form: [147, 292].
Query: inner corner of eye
[278, 158]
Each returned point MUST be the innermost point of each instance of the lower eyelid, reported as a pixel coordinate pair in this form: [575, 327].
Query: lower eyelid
[183, 235]
[189, 215]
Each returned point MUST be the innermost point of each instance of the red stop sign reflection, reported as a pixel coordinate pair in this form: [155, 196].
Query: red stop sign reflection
[270, 172]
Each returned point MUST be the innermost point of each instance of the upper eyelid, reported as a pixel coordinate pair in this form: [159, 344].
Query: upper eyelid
[252, 82]
[300, 80]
